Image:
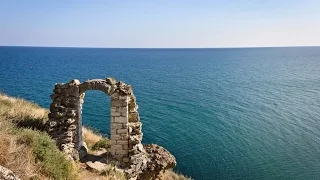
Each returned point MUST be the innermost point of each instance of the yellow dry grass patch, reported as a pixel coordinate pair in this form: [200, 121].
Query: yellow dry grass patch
[110, 173]
[23, 113]
[17, 108]
[17, 157]
[90, 137]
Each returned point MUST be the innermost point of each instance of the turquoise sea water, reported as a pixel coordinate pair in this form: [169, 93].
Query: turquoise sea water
[250, 113]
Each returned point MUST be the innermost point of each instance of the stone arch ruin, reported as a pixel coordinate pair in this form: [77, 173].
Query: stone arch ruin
[65, 127]
[65, 119]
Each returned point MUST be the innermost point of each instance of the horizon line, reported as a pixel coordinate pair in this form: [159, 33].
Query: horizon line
[87, 47]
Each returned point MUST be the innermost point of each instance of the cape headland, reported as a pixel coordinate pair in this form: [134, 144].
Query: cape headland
[59, 146]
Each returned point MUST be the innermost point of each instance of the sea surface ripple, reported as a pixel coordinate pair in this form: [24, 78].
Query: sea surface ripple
[247, 113]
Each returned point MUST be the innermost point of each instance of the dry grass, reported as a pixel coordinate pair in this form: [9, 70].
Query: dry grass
[110, 173]
[85, 175]
[32, 154]
[171, 175]
[29, 153]
[94, 141]
[90, 137]
[17, 157]
[23, 113]
[113, 173]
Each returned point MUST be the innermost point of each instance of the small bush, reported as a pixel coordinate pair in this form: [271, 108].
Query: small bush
[113, 173]
[53, 162]
[103, 143]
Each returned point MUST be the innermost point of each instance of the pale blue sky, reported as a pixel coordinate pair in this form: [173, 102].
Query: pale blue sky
[160, 23]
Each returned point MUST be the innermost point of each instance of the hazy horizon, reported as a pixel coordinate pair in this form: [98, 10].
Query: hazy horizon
[159, 47]
[160, 24]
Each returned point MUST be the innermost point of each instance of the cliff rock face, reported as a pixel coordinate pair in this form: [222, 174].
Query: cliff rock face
[160, 159]
[149, 164]
[7, 174]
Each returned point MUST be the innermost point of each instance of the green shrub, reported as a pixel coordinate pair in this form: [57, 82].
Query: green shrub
[53, 162]
[113, 173]
[103, 143]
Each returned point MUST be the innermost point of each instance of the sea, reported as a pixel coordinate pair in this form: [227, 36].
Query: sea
[224, 113]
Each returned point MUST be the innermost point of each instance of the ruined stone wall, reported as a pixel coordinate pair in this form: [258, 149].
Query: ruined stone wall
[65, 119]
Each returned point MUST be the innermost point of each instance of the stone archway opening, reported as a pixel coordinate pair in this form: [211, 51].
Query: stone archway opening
[65, 118]
[96, 113]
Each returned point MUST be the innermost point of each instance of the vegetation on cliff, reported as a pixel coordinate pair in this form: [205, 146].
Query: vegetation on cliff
[30, 152]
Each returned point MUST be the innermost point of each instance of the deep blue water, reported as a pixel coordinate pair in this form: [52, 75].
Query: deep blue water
[250, 113]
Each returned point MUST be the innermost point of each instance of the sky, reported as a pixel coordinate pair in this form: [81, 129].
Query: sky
[160, 23]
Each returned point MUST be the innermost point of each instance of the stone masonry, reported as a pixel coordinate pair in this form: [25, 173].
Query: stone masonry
[65, 119]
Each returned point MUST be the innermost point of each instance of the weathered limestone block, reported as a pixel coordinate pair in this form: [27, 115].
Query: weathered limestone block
[113, 109]
[122, 142]
[96, 166]
[57, 115]
[117, 147]
[67, 147]
[93, 85]
[122, 131]
[116, 103]
[57, 108]
[67, 134]
[116, 126]
[118, 156]
[120, 137]
[53, 123]
[74, 82]
[111, 81]
[83, 87]
[114, 95]
[124, 89]
[70, 102]
[115, 113]
[113, 89]
[61, 86]
[67, 140]
[135, 128]
[121, 152]
[123, 98]
[125, 159]
[7, 174]
[121, 119]
[123, 111]
[137, 149]
[72, 127]
[135, 139]
[105, 88]
[125, 126]
[71, 113]
[72, 91]
[70, 120]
